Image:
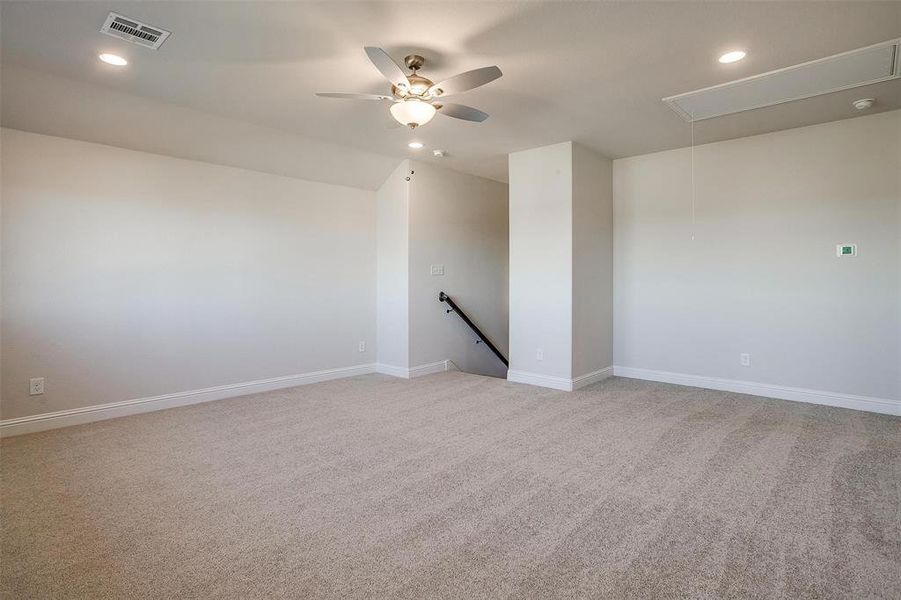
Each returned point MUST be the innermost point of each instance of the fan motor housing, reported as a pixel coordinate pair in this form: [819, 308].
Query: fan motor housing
[419, 86]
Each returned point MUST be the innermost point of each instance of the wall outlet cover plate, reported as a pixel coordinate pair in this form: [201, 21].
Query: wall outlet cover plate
[36, 386]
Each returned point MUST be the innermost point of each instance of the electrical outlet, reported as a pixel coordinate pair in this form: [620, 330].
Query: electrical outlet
[436, 270]
[539, 354]
[362, 347]
[36, 386]
[745, 360]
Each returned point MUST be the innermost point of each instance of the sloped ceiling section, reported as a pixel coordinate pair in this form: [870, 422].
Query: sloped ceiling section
[591, 72]
[42, 103]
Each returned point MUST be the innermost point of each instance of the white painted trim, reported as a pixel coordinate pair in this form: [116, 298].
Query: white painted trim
[392, 370]
[548, 381]
[593, 377]
[559, 383]
[100, 412]
[417, 371]
[435, 367]
[866, 403]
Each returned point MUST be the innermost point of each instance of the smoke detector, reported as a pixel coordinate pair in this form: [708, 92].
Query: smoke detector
[134, 31]
[864, 103]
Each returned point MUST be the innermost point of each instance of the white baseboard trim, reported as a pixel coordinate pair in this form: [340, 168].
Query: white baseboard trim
[384, 369]
[593, 377]
[100, 412]
[417, 371]
[559, 383]
[865, 403]
[435, 367]
[548, 381]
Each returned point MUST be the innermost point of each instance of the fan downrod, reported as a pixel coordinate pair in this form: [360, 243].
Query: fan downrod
[414, 62]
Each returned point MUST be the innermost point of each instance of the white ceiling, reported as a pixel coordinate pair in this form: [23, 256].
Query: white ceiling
[593, 72]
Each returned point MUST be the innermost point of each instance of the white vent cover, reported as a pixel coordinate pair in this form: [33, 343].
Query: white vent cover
[134, 31]
[863, 66]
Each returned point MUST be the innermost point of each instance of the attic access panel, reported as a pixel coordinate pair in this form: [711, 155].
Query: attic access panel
[847, 70]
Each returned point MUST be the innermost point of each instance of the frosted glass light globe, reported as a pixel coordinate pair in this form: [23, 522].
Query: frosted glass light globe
[412, 112]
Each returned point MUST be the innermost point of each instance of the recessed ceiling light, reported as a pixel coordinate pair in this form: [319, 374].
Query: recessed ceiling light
[113, 59]
[734, 56]
[415, 145]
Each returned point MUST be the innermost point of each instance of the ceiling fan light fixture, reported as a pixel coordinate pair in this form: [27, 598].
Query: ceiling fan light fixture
[412, 94]
[412, 113]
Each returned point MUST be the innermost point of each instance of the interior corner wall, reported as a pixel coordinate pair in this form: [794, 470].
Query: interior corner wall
[459, 222]
[541, 261]
[129, 275]
[393, 268]
[762, 276]
[592, 239]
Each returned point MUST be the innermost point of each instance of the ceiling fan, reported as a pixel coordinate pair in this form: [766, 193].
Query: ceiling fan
[417, 99]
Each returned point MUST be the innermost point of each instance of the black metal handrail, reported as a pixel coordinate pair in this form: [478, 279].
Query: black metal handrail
[442, 297]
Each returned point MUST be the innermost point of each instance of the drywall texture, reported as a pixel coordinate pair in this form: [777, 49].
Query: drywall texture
[29, 102]
[541, 260]
[458, 222]
[761, 275]
[127, 274]
[592, 238]
[393, 250]
[561, 263]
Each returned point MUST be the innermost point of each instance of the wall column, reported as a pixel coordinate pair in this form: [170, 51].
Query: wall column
[561, 266]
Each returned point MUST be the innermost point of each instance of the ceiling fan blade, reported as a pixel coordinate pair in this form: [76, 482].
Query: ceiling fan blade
[465, 81]
[386, 66]
[460, 111]
[353, 96]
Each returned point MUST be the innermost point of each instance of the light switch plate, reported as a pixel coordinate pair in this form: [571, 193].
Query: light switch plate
[436, 270]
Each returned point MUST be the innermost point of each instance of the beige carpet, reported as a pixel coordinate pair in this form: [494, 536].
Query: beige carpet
[459, 486]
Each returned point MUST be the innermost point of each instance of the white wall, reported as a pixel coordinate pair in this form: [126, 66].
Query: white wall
[561, 265]
[429, 215]
[541, 260]
[458, 221]
[127, 274]
[393, 249]
[761, 275]
[592, 238]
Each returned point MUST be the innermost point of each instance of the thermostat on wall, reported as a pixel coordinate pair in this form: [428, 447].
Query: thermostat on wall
[846, 250]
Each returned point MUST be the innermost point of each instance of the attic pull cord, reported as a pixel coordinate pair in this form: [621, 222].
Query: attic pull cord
[692, 179]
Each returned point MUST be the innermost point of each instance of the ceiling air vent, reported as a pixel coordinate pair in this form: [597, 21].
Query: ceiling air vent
[847, 70]
[134, 31]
